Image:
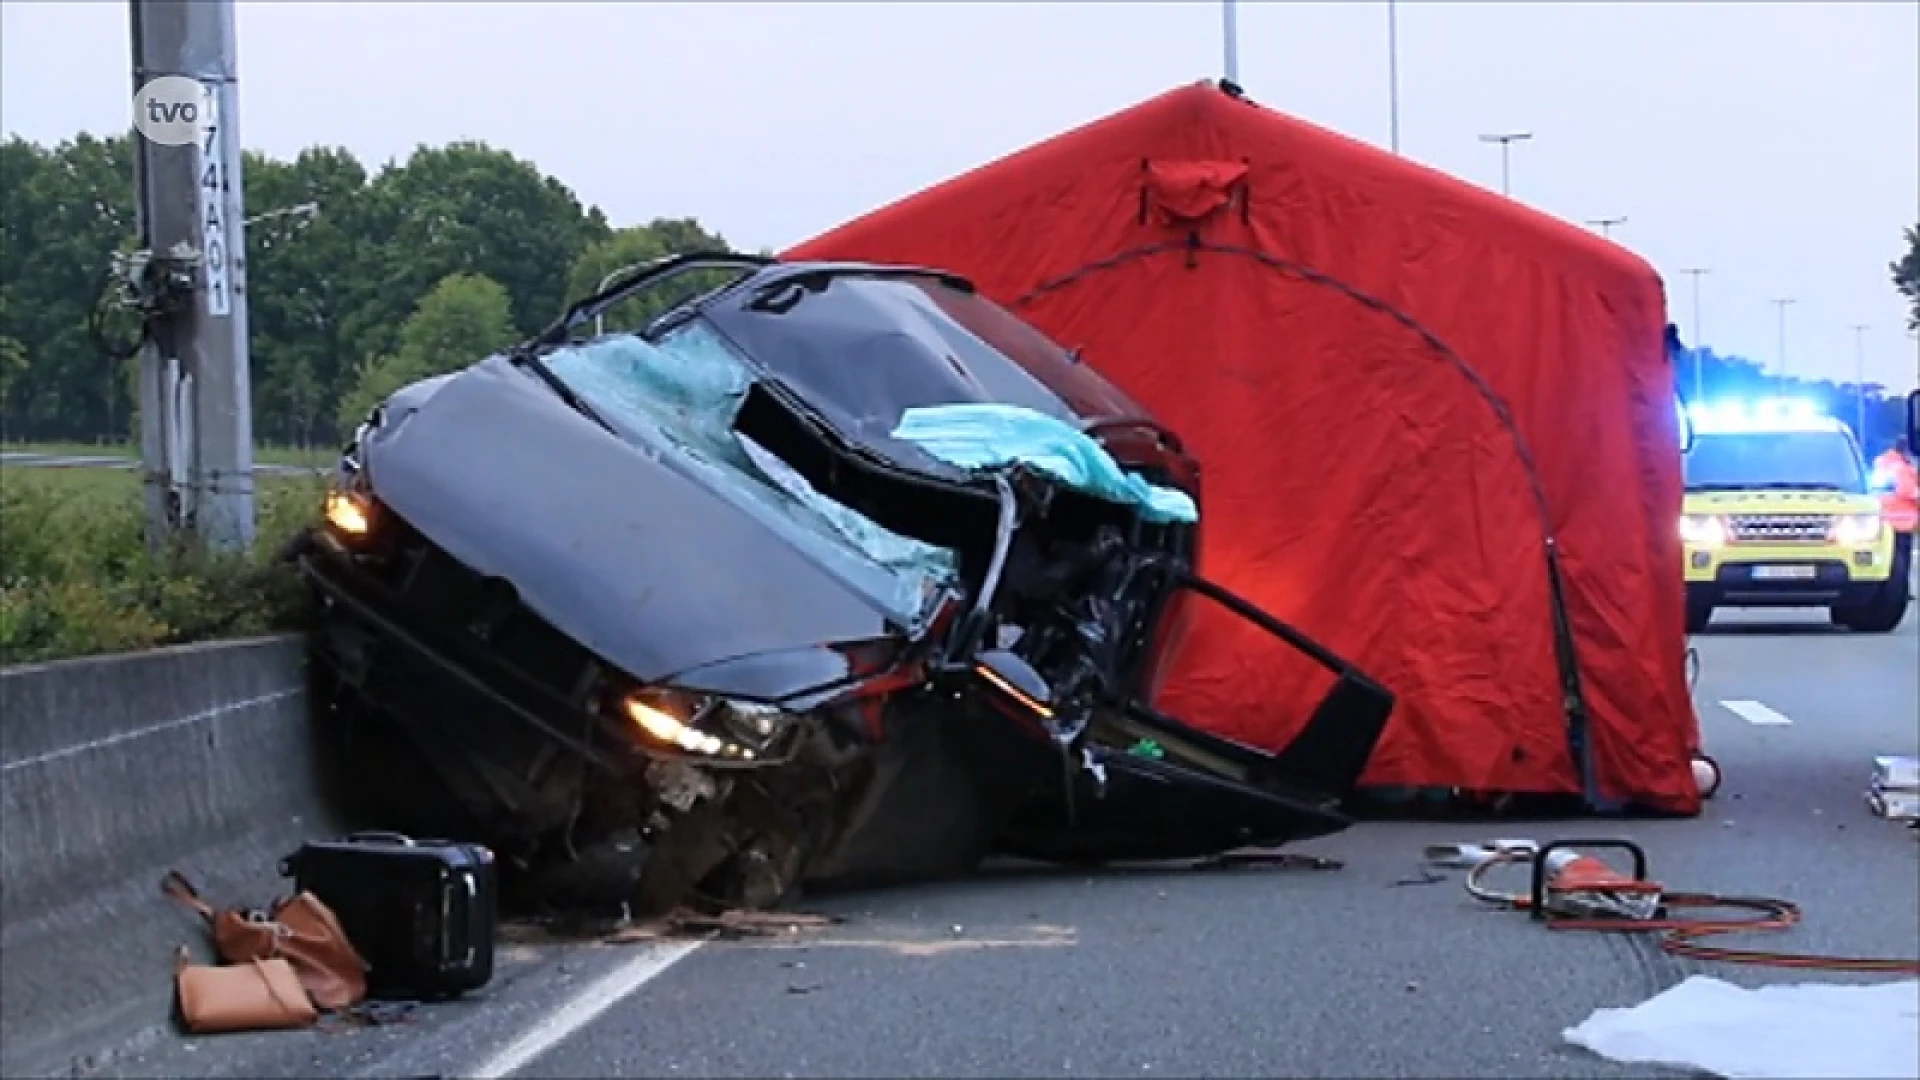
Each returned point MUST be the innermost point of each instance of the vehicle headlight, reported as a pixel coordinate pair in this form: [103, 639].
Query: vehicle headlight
[707, 725]
[1856, 528]
[349, 512]
[1702, 530]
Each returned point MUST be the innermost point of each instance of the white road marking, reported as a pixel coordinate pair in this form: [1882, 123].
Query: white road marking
[1757, 714]
[603, 994]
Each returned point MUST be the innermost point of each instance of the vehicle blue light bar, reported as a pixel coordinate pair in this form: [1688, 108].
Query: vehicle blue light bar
[1768, 415]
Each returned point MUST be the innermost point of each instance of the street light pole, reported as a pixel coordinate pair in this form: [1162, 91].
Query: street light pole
[1606, 225]
[1860, 381]
[1782, 304]
[1393, 75]
[1506, 141]
[1699, 343]
[1230, 34]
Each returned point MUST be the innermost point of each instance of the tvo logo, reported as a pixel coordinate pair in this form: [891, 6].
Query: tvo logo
[174, 110]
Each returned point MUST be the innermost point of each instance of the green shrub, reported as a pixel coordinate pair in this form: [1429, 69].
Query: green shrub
[77, 579]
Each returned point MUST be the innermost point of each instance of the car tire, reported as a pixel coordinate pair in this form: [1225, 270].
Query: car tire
[1884, 610]
[1699, 614]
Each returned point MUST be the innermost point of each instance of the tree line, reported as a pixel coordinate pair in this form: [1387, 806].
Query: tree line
[400, 272]
[397, 273]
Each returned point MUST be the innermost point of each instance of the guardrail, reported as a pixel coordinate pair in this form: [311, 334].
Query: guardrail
[112, 771]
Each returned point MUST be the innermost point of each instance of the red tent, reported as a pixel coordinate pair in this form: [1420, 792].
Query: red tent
[1399, 387]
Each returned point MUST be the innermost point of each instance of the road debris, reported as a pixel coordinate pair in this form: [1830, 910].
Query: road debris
[732, 925]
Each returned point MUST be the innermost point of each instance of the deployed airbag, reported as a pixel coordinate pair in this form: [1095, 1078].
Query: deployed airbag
[996, 436]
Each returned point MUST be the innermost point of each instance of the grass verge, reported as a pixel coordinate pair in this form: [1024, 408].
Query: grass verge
[77, 579]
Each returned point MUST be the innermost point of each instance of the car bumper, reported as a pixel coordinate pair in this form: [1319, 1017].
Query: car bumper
[1786, 577]
[452, 689]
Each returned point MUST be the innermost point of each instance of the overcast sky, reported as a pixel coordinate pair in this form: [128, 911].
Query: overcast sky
[1777, 143]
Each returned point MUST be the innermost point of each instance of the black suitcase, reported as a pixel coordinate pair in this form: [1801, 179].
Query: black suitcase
[423, 913]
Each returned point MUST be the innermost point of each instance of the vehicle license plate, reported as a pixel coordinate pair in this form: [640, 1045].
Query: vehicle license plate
[1782, 573]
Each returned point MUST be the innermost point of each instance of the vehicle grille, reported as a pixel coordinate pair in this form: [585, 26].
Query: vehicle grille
[438, 588]
[1780, 528]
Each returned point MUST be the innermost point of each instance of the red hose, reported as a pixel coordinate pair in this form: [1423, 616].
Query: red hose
[1682, 935]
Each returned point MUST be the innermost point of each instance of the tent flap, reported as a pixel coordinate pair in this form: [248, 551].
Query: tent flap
[1188, 192]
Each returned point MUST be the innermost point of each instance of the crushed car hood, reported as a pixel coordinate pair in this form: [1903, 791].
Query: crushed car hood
[614, 542]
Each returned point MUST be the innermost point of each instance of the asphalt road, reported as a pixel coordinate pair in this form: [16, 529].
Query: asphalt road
[1238, 973]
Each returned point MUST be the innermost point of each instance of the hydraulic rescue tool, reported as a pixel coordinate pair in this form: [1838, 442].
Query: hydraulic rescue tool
[1569, 890]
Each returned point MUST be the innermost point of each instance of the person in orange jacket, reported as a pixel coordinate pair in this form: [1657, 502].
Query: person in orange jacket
[1900, 501]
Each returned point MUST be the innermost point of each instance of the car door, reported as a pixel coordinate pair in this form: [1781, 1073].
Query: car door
[1152, 786]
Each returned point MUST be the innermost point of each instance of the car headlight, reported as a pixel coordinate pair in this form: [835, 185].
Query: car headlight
[1702, 530]
[1856, 528]
[349, 512]
[707, 725]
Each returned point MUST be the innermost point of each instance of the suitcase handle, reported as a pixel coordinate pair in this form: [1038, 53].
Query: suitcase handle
[288, 869]
[473, 897]
[446, 922]
[378, 835]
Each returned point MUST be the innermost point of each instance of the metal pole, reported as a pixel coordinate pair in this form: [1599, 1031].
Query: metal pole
[1230, 33]
[1860, 381]
[1782, 303]
[1606, 224]
[1506, 142]
[1393, 75]
[196, 415]
[1699, 342]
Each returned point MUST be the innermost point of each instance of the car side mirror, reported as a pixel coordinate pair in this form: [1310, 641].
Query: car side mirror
[1016, 678]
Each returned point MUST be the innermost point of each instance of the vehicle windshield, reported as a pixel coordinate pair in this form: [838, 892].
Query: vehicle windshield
[1819, 460]
[678, 397]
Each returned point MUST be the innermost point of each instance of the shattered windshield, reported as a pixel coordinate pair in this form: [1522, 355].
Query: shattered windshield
[681, 393]
[1822, 460]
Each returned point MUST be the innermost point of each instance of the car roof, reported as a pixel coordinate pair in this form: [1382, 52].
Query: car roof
[923, 336]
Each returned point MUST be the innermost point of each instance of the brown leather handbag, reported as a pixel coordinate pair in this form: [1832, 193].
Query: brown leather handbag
[257, 995]
[300, 930]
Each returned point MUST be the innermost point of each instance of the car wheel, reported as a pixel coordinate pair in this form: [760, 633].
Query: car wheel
[1699, 614]
[1886, 609]
[1881, 615]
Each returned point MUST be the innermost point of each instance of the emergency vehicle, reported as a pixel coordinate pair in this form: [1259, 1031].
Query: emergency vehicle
[1780, 512]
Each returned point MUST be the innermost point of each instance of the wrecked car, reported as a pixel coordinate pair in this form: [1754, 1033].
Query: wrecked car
[830, 573]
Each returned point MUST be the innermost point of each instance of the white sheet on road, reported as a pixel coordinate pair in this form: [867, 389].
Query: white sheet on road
[1796, 1030]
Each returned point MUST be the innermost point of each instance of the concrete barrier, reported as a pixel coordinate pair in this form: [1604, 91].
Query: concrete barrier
[112, 771]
